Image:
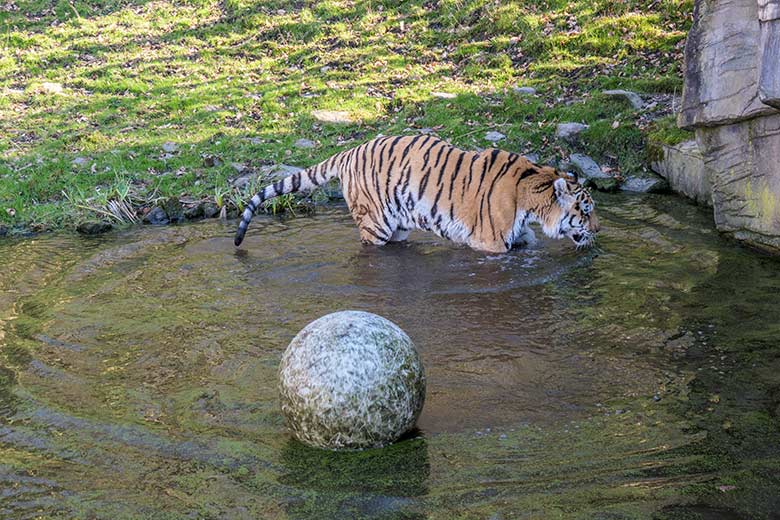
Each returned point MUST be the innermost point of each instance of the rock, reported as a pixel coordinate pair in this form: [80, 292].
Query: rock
[444, 95]
[305, 143]
[93, 227]
[533, 157]
[3, 230]
[243, 181]
[194, 212]
[494, 137]
[569, 131]
[81, 161]
[278, 171]
[173, 209]
[722, 56]
[645, 185]
[170, 147]
[351, 380]
[731, 70]
[210, 210]
[332, 116]
[741, 161]
[156, 217]
[587, 167]
[769, 76]
[524, 91]
[682, 165]
[608, 185]
[631, 97]
[239, 167]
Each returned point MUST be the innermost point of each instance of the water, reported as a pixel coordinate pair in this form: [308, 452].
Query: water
[639, 379]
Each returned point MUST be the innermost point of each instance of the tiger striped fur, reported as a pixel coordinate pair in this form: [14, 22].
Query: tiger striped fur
[484, 199]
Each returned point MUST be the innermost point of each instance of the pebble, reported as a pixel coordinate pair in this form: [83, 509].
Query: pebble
[305, 143]
[569, 131]
[494, 137]
[170, 147]
[525, 91]
[332, 116]
[81, 161]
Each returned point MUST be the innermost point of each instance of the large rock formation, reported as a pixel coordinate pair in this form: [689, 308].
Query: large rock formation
[732, 101]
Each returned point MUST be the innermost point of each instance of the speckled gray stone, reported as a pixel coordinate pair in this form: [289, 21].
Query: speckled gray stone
[351, 380]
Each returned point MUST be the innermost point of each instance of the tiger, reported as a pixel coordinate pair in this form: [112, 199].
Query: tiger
[486, 200]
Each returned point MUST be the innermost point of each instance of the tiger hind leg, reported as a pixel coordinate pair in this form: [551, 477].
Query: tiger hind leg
[371, 236]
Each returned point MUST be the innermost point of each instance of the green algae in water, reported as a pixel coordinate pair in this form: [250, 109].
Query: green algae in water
[138, 373]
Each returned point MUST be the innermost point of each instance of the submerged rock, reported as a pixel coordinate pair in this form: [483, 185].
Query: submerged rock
[93, 227]
[351, 380]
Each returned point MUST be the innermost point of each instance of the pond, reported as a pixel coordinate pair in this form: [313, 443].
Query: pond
[637, 379]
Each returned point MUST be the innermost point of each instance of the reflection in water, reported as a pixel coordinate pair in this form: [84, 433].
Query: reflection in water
[138, 371]
[374, 483]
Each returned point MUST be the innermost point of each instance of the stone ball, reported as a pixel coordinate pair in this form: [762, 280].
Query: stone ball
[351, 380]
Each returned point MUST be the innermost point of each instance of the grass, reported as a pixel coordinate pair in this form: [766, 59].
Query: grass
[91, 91]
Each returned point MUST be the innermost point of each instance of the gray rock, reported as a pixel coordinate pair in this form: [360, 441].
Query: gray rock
[94, 228]
[243, 181]
[173, 209]
[210, 210]
[494, 136]
[239, 167]
[731, 72]
[305, 143]
[645, 185]
[569, 131]
[722, 56]
[682, 165]
[170, 147]
[629, 96]
[3, 230]
[351, 380]
[587, 167]
[741, 161]
[81, 161]
[533, 157]
[156, 217]
[524, 91]
[194, 212]
[278, 171]
[769, 76]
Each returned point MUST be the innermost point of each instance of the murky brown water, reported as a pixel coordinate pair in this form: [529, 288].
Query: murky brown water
[138, 373]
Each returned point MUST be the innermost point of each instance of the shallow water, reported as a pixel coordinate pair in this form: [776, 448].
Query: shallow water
[138, 373]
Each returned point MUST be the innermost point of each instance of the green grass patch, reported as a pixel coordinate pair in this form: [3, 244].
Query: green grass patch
[92, 90]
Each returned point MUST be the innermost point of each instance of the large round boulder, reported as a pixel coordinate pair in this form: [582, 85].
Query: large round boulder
[351, 380]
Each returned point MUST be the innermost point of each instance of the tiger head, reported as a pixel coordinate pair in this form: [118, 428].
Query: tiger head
[577, 219]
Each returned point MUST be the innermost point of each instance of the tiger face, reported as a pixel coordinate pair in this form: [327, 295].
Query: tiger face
[578, 219]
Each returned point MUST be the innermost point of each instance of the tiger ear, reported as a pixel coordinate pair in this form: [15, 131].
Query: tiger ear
[562, 192]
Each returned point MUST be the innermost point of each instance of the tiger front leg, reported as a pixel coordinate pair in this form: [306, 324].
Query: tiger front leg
[526, 237]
